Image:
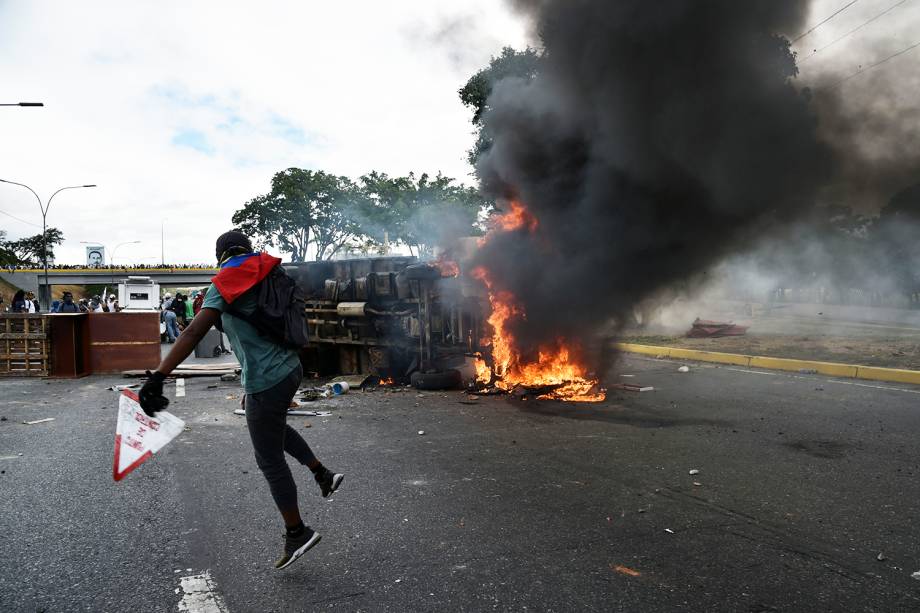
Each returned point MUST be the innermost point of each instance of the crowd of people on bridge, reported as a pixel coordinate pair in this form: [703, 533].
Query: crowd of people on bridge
[170, 267]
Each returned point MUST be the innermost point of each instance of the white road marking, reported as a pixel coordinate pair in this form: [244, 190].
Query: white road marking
[180, 388]
[199, 594]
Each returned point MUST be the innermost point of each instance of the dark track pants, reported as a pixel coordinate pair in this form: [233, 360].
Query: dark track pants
[266, 416]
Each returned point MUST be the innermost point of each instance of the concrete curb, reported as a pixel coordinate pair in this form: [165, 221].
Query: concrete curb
[833, 369]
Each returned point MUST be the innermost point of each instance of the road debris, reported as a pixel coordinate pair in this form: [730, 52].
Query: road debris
[683, 369]
[697, 484]
[628, 387]
[421, 433]
[694, 471]
[295, 413]
[703, 328]
[807, 371]
[38, 421]
[916, 575]
[625, 570]
[881, 557]
[228, 377]
[669, 531]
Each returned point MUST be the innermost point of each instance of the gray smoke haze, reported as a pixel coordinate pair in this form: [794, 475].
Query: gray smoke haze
[657, 138]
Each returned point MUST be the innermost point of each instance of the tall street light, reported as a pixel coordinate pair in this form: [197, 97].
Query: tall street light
[111, 253]
[22, 104]
[44, 210]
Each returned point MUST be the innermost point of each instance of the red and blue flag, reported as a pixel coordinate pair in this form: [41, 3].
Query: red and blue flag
[241, 273]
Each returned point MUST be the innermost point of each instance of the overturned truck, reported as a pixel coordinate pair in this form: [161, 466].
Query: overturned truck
[390, 317]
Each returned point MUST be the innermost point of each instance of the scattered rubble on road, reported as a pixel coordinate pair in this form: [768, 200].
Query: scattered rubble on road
[628, 387]
[38, 421]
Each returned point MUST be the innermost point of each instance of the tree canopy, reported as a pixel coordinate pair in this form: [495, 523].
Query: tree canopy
[475, 93]
[303, 207]
[28, 251]
[313, 208]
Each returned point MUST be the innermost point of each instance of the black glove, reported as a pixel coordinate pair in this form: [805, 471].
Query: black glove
[151, 395]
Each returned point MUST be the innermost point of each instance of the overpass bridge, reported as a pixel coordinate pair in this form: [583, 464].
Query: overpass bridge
[33, 279]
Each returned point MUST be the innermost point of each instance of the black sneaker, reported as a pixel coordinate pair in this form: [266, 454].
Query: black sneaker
[329, 481]
[296, 546]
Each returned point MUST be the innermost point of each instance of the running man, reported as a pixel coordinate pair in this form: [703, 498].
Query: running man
[271, 375]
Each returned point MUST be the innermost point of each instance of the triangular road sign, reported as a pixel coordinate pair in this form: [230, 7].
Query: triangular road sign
[138, 436]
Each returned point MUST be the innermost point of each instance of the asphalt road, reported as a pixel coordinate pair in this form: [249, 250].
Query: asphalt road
[501, 505]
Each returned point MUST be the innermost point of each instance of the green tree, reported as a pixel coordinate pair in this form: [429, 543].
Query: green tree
[304, 207]
[420, 212]
[28, 251]
[475, 93]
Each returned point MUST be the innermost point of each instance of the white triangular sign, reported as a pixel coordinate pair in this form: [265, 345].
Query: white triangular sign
[138, 436]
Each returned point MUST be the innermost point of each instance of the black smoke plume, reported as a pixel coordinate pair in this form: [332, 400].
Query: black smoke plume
[657, 137]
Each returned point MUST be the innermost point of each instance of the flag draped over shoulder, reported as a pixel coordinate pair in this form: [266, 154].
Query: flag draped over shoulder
[241, 272]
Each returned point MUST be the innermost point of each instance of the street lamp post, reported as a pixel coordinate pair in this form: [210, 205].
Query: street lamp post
[44, 209]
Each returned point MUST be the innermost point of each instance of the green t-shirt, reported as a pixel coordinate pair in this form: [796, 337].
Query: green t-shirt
[264, 363]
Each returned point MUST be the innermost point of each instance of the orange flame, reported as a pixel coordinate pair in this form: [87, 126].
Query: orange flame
[556, 365]
[483, 372]
[515, 219]
[447, 268]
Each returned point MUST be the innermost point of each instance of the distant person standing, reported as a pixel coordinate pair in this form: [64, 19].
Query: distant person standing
[178, 307]
[67, 304]
[19, 302]
[196, 304]
[31, 303]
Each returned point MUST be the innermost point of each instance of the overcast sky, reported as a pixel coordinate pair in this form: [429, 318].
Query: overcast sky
[182, 111]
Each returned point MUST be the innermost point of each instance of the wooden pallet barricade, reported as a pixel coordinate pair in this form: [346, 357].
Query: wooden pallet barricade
[24, 345]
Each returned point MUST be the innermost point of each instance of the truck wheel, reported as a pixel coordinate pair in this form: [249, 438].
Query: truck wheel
[442, 380]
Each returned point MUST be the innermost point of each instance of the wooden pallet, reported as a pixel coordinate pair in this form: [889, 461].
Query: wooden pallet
[24, 345]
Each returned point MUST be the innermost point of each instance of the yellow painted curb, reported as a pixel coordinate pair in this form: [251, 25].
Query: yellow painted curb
[832, 369]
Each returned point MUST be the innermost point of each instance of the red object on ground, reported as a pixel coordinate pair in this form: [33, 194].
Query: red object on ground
[704, 328]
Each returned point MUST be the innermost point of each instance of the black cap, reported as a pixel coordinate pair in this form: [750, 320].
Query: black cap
[234, 239]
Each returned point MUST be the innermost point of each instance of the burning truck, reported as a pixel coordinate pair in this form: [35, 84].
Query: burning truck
[440, 324]
[390, 317]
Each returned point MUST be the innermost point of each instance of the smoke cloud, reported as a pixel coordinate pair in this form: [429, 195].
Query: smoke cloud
[655, 140]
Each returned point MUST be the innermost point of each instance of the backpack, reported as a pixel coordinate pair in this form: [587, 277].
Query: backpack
[279, 313]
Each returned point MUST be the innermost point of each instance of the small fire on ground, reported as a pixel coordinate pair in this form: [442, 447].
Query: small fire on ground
[556, 373]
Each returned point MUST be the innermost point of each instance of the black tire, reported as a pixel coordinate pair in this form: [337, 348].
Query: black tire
[443, 380]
